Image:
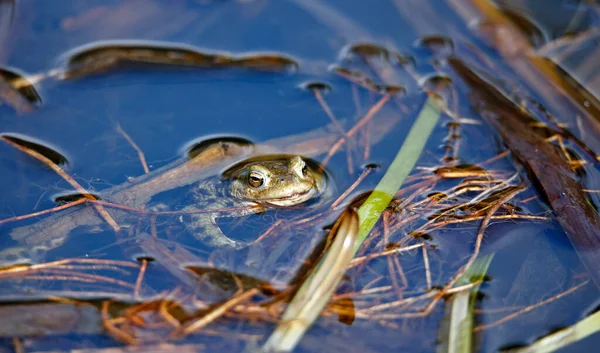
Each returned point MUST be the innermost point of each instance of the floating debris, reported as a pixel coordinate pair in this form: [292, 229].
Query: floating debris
[435, 81]
[72, 197]
[20, 83]
[227, 281]
[405, 59]
[437, 43]
[363, 80]
[320, 86]
[266, 62]
[549, 170]
[17, 91]
[37, 146]
[104, 56]
[195, 148]
[462, 171]
[371, 51]
[366, 50]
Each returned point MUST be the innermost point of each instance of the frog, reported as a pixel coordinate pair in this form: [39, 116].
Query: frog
[251, 186]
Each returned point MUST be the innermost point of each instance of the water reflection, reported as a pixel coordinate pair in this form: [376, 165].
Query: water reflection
[390, 300]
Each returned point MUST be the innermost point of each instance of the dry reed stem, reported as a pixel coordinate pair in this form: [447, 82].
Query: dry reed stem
[31, 268]
[478, 241]
[217, 312]
[140, 278]
[114, 331]
[427, 271]
[392, 274]
[166, 315]
[434, 295]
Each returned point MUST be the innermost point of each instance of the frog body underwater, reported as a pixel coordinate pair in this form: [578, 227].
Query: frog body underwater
[250, 187]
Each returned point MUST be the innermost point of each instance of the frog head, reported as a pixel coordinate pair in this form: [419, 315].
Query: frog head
[280, 180]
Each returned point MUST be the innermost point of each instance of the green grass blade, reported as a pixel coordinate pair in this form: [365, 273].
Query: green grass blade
[318, 288]
[456, 331]
[560, 339]
[401, 166]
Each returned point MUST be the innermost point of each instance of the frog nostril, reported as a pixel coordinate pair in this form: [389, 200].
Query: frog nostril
[282, 179]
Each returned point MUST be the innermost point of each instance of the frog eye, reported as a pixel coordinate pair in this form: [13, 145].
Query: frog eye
[304, 169]
[256, 179]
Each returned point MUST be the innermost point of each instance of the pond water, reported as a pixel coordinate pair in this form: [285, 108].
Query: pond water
[292, 77]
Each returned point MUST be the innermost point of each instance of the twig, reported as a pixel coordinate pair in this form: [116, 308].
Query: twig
[370, 114]
[32, 268]
[358, 260]
[391, 269]
[338, 126]
[112, 329]
[426, 262]
[217, 312]
[268, 231]
[40, 213]
[140, 278]
[139, 151]
[68, 178]
[528, 308]
[360, 178]
[478, 242]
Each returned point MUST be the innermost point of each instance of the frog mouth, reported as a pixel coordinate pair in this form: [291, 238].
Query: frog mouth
[292, 200]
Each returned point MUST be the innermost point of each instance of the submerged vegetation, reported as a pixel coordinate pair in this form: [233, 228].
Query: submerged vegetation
[461, 210]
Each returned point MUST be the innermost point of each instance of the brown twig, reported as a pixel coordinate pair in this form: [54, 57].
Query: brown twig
[370, 114]
[478, 241]
[392, 273]
[32, 268]
[528, 308]
[140, 278]
[41, 213]
[111, 329]
[358, 260]
[139, 151]
[219, 311]
[268, 231]
[360, 178]
[338, 126]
